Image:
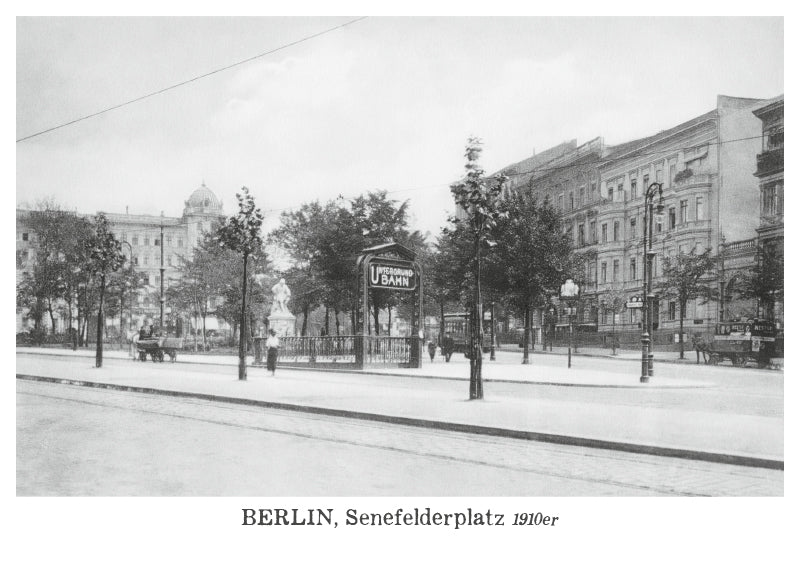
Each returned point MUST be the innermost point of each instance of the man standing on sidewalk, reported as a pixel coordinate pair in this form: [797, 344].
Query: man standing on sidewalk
[447, 347]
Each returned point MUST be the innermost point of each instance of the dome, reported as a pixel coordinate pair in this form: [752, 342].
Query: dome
[202, 197]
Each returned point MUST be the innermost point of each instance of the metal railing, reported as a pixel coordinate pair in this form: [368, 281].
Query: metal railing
[338, 351]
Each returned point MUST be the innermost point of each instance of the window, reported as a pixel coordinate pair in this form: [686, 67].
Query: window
[604, 316]
[633, 269]
[673, 169]
[571, 201]
[773, 138]
[671, 224]
[560, 202]
[603, 272]
[158, 279]
[616, 271]
[581, 235]
[147, 283]
[146, 241]
[124, 236]
[610, 191]
[593, 232]
[581, 196]
[684, 210]
[146, 260]
[156, 242]
[136, 261]
[594, 192]
[645, 182]
[660, 174]
[135, 241]
[620, 192]
[633, 227]
[633, 189]
[616, 231]
[671, 311]
[25, 236]
[772, 200]
[605, 232]
[699, 212]
[180, 243]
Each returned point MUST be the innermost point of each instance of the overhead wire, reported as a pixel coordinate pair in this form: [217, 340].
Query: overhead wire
[187, 81]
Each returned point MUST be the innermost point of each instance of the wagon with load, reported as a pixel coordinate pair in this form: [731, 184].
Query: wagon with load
[740, 342]
[157, 347]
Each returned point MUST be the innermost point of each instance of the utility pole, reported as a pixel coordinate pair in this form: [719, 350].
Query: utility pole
[161, 322]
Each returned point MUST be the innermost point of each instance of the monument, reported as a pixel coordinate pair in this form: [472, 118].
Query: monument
[280, 318]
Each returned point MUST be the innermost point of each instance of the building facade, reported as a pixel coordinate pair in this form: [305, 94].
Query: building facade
[710, 197]
[151, 242]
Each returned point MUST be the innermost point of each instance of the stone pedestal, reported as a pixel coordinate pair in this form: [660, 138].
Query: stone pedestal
[283, 324]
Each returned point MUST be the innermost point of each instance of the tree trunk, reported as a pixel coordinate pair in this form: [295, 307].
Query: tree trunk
[243, 323]
[336, 320]
[98, 358]
[441, 323]
[305, 320]
[614, 333]
[526, 335]
[205, 348]
[389, 324]
[476, 359]
[327, 321]
[680, 327]
[52, 316]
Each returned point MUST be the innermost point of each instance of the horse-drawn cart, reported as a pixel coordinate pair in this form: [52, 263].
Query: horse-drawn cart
[156, 347]
[743, 341]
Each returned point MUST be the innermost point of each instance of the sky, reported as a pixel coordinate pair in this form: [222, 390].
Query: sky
[380, 104]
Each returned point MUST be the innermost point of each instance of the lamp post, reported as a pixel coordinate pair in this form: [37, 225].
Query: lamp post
[647, 354]
[570, 292]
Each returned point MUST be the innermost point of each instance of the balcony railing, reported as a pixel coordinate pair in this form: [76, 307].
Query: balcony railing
[769, 161]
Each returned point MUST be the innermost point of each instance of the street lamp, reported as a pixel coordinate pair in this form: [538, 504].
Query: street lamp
[570, 293]
[647, 353]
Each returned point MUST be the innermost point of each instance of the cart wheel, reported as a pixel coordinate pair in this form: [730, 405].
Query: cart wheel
[713, 359]
[142, 356]
[160, 356]
[172, 355]
[739, 360]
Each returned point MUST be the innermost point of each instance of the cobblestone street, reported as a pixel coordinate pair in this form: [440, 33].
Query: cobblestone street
[82, 441]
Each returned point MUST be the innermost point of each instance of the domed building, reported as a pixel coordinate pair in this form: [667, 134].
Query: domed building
[141, 237]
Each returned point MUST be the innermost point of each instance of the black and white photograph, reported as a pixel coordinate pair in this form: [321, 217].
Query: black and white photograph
[303, 260]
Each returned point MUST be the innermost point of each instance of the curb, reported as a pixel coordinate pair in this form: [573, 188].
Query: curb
[695, 455]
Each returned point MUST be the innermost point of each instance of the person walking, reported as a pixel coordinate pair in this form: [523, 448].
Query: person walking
[431, 350]
[448, 345]
[272, 351]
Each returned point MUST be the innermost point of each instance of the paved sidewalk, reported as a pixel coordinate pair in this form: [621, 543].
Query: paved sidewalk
[506, 368]
[511, 410]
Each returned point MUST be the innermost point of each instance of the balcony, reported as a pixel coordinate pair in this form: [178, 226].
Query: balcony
[769, 162]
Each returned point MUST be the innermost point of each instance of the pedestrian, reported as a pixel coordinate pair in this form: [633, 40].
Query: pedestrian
[272, 351]
[448, 345]
[431, 350]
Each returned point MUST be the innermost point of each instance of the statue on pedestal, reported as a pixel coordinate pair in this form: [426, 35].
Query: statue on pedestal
[281, 295]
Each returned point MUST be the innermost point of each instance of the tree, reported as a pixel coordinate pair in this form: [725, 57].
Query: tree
[478, 197]
[684, 278]
[325, 241]
[105, 257]
[764, 283]
[613, 298]
[59, 237]
[241, 233]
[531, 255]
